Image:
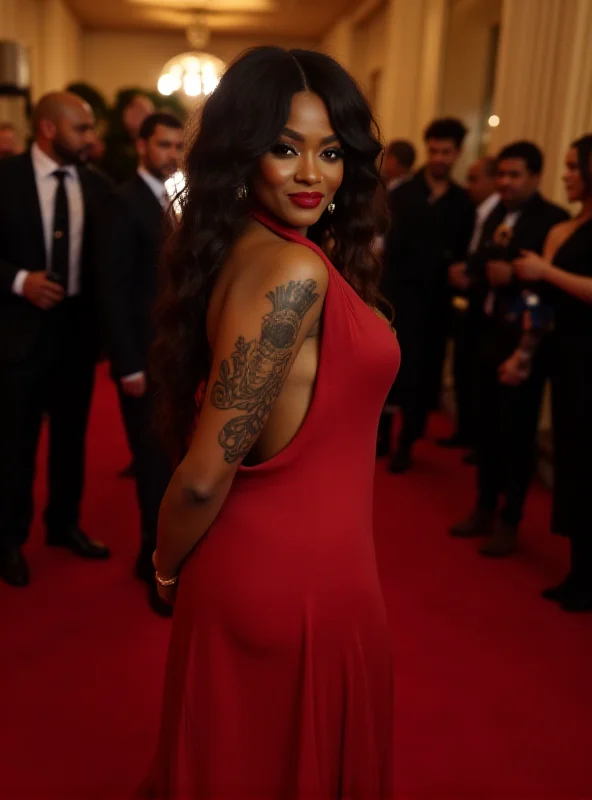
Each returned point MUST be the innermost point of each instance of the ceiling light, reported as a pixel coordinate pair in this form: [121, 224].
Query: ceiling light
[196, 74]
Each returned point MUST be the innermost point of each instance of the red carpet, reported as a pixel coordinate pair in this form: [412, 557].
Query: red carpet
[493, 684]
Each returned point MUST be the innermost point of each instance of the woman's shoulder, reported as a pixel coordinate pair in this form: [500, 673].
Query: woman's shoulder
[272, 262]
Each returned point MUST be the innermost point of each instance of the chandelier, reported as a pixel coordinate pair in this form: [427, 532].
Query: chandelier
[196, 74]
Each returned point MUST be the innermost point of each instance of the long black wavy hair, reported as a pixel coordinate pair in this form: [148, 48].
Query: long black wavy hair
[240, 122]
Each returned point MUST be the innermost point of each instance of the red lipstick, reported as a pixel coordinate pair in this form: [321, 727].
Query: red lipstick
[307, 199]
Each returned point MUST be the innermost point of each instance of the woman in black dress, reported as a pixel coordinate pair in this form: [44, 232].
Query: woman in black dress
[567, 265]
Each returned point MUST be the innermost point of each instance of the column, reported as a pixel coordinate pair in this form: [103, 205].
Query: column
[543, 89]
[411, 82]
[338, 42]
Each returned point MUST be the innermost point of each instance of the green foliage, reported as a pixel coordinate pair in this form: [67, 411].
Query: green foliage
[171, 103]
[92, 96]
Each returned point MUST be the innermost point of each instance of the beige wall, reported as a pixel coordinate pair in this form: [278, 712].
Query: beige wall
[395, 49]
[52, 36]
[368, 52]
[61, 46]
[112, 60]
[466, 63]
[338, 42]
[544, 81]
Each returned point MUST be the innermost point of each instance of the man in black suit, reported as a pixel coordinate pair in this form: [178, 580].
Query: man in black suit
[48, 336]
[511, 352]
[130, 253]
[432, 221]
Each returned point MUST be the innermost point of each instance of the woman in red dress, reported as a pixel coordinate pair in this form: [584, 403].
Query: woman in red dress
[279, 682]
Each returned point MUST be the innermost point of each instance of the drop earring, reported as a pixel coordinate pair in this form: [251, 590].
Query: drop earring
[331, 207]
[242, 192]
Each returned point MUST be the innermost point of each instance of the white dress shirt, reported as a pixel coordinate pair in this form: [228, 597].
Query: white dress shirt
[159, 190]
[156, 185]
[394, 183]
[47, 185]
[484, 209]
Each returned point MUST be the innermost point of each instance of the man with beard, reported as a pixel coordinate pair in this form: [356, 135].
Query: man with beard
[48, 337]
[130, 252]
[431, 225]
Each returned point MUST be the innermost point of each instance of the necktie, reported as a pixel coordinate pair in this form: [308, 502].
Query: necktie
[60, 249]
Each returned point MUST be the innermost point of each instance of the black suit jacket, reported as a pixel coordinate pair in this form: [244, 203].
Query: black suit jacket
[22, 246]
[536, 219]
[425, 237]
[130, 253]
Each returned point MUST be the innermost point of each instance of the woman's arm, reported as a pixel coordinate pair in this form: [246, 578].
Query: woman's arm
[579, 286]
[267, 315]
[532, 267]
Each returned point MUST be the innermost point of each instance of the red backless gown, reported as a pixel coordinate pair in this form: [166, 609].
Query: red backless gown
[280, 678]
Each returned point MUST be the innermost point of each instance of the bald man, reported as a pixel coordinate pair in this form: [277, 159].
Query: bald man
[48, 340]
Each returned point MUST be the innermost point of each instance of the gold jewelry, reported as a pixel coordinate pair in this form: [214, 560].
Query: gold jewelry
[331, 207]
[242, 192]
[165, 581]
[159, 579]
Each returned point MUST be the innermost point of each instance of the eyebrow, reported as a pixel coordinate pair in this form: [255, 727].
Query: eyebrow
[298, 137]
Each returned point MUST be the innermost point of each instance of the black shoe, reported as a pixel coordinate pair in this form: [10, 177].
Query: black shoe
[470, 459]
[144, 569]
[578, 600]
[455, 441]
[559, 593]
[156, 603]
[401, 461]
[78, 542]
[128, 472]
[479, 523]
[13, 567]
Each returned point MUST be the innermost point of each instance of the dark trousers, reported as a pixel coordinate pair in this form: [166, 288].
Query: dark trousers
[421, 321]
[465, 329]
[152, 467]
[55, 379]
[581, 559]
[506, 422]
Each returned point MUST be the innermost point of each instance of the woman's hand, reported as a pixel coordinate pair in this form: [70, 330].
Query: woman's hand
[167, 593]
[531, 266]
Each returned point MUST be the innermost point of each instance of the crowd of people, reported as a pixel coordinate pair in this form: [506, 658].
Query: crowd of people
[79, 254]
[502, 271]
[272, 260]
[458, 262]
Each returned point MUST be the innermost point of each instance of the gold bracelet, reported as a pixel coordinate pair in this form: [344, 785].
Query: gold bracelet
[165, 581]
[159, 579]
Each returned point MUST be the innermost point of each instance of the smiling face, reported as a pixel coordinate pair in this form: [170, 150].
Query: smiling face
[298, 178]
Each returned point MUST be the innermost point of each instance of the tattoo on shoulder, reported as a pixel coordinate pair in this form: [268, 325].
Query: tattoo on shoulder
[252, 378]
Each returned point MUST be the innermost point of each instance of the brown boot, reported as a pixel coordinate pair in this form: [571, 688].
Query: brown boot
[479, 523]
[503, 542]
